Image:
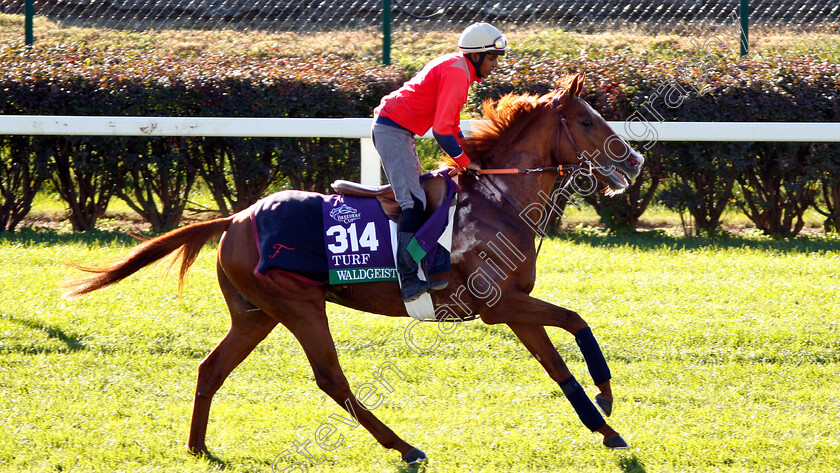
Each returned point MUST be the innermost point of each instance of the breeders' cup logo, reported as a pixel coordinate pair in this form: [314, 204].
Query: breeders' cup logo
[345, 214]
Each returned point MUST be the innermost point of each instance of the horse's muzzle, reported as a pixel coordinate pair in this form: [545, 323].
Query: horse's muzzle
[619, 172]
[632, 164]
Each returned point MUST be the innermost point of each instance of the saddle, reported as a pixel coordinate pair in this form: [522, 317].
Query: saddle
[434, 187]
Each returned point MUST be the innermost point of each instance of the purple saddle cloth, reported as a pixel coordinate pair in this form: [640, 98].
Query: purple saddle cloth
[337, 239]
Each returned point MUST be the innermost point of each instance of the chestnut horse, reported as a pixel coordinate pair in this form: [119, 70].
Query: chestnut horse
[535, 134]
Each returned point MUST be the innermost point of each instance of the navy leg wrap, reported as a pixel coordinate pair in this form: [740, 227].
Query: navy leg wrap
[593, 356]
[586, 411]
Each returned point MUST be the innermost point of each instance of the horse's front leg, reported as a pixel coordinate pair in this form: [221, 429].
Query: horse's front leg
[522, 309]
[537, 342]
[527, 316]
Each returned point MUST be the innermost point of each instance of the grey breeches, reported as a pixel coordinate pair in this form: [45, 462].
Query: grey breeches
[399, 159]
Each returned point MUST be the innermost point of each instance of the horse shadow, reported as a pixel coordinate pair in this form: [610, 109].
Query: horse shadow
[414, 468]
[216, 462]
[631, 464]
[72, 343]
[30, 236]
[627, 464]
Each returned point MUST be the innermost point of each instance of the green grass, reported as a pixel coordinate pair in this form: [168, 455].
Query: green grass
[724, 353]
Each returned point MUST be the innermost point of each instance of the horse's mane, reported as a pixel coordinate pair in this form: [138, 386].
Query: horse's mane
[503, 119]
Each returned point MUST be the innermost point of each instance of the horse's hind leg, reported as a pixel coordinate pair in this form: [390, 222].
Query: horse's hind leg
[249, 326]
[312, 331]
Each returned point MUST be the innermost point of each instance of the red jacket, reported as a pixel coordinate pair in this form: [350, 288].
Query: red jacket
[433, 98]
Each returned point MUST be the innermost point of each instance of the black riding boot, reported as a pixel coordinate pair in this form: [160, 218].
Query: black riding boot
[412, 287]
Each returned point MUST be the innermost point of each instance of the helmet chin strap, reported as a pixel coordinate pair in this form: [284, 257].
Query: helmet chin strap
[477, 65]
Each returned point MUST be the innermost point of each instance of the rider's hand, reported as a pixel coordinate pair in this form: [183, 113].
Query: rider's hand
[458, 170]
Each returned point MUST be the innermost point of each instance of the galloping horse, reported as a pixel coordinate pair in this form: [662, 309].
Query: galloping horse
[527, 140]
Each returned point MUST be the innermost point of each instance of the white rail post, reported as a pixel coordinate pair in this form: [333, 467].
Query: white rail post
[370, 172]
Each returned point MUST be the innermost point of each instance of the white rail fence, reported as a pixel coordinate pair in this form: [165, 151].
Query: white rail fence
[359, 128]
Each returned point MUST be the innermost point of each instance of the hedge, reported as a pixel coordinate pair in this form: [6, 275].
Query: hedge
[772, 183]
[155, 175]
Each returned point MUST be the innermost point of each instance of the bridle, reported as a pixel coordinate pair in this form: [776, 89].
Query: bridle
[564, 170]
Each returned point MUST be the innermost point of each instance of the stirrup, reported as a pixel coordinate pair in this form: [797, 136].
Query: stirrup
[427, 286]
[413, 296]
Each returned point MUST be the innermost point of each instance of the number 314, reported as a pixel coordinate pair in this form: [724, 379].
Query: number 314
[347, 238]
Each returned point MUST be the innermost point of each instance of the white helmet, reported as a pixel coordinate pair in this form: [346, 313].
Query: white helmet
[482, 37]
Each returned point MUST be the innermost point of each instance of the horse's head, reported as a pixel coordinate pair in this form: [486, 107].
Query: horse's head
[586, 138]
[541, 132]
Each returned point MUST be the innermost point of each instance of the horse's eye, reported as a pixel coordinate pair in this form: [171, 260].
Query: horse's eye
[586, 123]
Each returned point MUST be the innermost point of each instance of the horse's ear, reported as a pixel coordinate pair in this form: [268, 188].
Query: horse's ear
[561, 98]
[576, 87]
[572, 87]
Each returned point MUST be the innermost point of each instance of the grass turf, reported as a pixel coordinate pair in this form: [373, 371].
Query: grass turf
[724, 354]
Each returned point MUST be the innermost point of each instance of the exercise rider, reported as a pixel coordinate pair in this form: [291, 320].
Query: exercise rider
[431, 99]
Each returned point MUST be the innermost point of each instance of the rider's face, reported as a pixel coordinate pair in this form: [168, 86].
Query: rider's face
[490, 63]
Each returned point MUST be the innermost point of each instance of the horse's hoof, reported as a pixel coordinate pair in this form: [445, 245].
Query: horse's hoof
[198, 450]
[414, 456]
[604, 403]
[616, 442]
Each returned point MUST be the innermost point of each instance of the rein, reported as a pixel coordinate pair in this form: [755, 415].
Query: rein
[558, 169]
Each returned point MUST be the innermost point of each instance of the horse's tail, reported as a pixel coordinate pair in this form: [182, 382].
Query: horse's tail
[188, 241]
